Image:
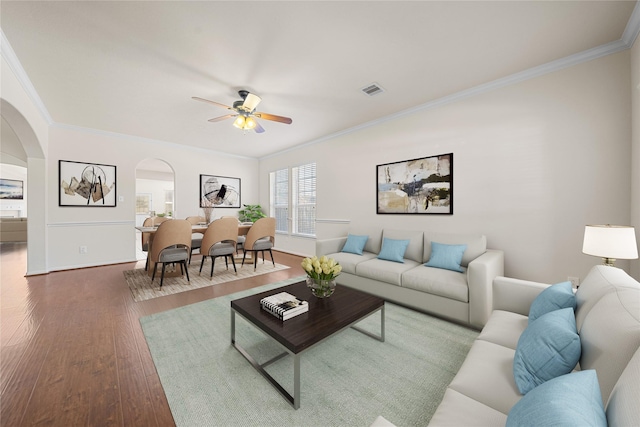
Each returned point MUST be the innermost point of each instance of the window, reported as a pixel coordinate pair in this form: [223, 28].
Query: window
[168, 202]
[143, 203]
[280, 199]
[304, 199]
[300, 201]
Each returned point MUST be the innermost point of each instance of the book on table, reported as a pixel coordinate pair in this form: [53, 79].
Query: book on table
[283, 305]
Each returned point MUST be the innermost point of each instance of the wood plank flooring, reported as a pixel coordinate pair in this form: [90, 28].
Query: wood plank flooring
[72, 351]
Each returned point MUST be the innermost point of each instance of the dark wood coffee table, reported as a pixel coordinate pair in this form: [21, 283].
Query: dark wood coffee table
[325, 318]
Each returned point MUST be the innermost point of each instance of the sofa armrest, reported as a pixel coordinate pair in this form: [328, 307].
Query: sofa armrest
[515, 295]
[480, 274]
[330, 246]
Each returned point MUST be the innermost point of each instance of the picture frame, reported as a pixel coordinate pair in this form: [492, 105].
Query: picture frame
[11, 189]
[416, 186]
[82, 184]
[221, 191]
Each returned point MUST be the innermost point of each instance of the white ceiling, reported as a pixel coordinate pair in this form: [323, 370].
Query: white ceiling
[132, 67]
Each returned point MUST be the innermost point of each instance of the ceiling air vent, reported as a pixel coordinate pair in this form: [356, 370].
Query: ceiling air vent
[372, 89]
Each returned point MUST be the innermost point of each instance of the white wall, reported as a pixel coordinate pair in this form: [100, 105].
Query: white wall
[533, 163]
[109, 233]
[635, 120]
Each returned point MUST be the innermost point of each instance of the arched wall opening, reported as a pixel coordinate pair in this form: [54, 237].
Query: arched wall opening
[155, 188]
[36, 197]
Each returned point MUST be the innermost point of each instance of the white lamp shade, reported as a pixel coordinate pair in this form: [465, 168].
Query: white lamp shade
[610, 241]
[251, 102]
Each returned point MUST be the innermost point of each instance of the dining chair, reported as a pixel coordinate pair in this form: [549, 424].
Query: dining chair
[171, 244]
[196, 238]
[261, 237]
[146, 237]
[220, 240]
[241, 238]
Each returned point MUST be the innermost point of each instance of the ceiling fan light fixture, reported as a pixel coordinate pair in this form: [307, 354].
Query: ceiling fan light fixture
[251, 102]
[239, 122]
[249, 123]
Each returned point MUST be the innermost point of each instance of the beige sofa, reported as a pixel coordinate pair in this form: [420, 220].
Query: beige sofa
[13, 229]
[608, 323]
[460, 296]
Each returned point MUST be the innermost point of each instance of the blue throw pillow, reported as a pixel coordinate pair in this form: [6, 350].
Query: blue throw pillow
[448, 257]
[393, 250]
[569, 400]
[548, 348]
[553, 298]
[355, 244]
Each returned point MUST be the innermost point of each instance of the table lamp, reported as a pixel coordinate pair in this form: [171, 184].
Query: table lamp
[610, 242]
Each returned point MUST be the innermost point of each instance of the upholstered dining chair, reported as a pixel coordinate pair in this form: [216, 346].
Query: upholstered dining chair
[240, 240]
[220, 240]
[196, 238]
[171, 245]
[261, 237]
[146, 237]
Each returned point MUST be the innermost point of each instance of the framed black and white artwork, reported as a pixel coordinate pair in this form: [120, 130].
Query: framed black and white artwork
[221, 191]
[86, 184]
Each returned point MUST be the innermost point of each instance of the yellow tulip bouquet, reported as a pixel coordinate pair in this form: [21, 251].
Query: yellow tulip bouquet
[321, 275]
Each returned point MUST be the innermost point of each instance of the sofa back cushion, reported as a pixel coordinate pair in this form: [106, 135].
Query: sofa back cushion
[476, 244]
[374, 242]
[415, 248]
[610, 335]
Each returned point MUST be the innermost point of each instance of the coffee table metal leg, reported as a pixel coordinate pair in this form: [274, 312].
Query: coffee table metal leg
[293, 400]
[369, 334]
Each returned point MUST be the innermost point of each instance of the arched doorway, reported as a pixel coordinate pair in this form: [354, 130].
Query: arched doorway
[155, 185]
[31, 156]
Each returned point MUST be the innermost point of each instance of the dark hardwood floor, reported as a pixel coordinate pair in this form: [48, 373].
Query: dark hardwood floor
[72, 351]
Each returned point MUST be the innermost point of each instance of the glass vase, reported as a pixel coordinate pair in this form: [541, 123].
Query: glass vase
[321, 288]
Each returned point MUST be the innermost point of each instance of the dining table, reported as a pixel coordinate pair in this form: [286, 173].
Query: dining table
[243, 229]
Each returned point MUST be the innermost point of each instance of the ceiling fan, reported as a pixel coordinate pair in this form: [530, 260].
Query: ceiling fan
[245, 111]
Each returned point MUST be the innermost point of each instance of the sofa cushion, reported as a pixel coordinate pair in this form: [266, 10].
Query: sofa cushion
[447, 257]
[393, 250]
[457, 410]
[610, 335]
[384, 271]
[416, 242]
[437, 281]
[548, 348]
[553, 298]
[486, 375]
[572, 399]
[476, 244]
[349, 261]
[355, 244]
[374, 242]
[623, 407]
[504, 328]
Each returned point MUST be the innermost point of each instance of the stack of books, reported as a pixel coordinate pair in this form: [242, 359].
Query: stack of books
[284, 305]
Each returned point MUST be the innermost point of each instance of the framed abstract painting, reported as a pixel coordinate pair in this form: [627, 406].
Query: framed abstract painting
[221, 191]
[418, 186]
[86, 184]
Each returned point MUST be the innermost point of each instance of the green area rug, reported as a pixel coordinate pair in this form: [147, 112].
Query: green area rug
[347, 380]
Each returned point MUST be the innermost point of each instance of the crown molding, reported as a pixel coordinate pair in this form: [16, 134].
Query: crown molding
[632, 29]
[10, 57]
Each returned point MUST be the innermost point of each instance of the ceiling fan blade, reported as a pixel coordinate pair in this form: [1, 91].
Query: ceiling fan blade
[274, 118]
[258, 128]
[218, 119]
[211, 102]
[251, 102]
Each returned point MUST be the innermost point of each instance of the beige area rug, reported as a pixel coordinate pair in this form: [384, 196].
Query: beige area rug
[142, 289]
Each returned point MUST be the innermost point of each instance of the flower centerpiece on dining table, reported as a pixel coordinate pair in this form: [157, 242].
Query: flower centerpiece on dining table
[321, 275]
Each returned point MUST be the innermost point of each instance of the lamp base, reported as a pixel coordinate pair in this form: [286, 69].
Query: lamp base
[609, 262]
